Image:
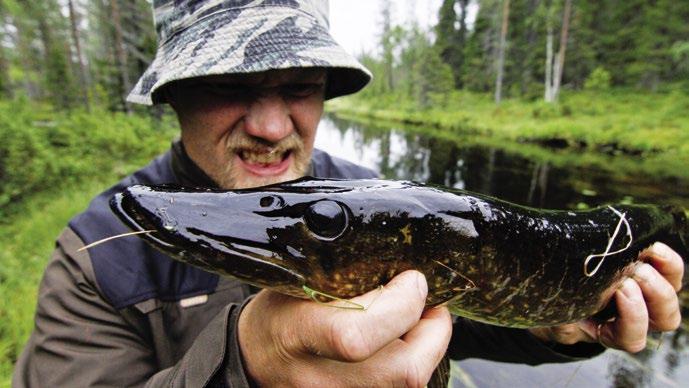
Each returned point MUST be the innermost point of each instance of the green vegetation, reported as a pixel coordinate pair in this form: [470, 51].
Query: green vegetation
[27, 240]
[42, 149]
[51, 165]
[652, 126]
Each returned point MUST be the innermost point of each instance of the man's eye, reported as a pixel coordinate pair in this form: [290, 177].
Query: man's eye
[301, 90]
[226, 90]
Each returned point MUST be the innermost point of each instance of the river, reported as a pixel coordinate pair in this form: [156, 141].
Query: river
[534, 176]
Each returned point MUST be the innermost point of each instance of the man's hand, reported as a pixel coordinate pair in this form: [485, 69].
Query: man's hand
[292, 342]
[645, 301]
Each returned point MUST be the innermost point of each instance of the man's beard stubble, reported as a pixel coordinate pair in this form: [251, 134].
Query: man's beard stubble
[234, 178]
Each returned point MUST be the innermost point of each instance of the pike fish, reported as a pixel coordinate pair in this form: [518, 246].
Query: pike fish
[487, 259]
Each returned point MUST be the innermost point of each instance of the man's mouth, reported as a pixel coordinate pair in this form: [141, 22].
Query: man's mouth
[265, 162]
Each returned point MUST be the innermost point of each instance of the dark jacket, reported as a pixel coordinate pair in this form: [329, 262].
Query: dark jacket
[124, 314]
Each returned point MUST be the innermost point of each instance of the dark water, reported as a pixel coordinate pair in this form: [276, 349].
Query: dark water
[541, 181]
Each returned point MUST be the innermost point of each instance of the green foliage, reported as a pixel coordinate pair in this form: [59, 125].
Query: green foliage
[432, 79]
[51, 165]
[27, 239]
[598, 80]
[450, 40]
[680, 55]
[41, 149]
[616, 43]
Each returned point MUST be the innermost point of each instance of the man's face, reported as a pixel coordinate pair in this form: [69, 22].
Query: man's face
[253, 129]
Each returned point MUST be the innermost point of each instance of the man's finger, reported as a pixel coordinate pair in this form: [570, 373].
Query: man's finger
[354, 335]
[666, 261]
[430, 337]
[661, 298]
[411, 360]
[628, 331]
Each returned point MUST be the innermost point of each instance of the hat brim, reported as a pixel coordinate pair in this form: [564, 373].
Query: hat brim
[250, 40]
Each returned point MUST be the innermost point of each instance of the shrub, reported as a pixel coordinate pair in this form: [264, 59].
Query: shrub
[41, 149]
[599, 79]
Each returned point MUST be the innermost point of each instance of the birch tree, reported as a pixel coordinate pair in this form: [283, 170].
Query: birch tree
[120, 54]
[553, 88]
[81, 72]
[501, 50]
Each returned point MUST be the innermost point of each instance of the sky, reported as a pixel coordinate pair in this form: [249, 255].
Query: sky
[356, 24]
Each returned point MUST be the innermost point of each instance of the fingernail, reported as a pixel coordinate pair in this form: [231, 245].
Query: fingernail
[661, 250]
[644, 273]
[628, 288]
[421, 284]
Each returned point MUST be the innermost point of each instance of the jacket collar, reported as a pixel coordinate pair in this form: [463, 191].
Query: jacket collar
[186, 171]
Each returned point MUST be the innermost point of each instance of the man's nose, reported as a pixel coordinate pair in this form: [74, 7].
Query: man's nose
[269, 118]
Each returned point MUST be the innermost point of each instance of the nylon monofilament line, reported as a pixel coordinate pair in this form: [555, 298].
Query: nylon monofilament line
[623, 219]
[93, 244]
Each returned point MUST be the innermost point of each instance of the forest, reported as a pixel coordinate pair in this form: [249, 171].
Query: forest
[534, 48]
[599, 76]
[602, 76]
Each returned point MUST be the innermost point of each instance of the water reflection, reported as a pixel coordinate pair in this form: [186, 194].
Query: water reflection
[541, 181]
[401, 154]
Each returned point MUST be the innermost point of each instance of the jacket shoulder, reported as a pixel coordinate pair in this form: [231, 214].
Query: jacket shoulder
[127, 269]
[328, 166]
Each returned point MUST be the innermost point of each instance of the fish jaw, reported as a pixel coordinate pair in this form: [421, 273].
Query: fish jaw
[191, 241]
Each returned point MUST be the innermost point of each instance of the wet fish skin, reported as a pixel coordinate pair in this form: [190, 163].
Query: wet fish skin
[488, 259]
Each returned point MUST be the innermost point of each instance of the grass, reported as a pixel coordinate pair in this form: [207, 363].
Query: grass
[51, 165]
[651, 126]
[27, 240]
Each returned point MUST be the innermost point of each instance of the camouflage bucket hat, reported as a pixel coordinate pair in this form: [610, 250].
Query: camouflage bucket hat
[209, 37]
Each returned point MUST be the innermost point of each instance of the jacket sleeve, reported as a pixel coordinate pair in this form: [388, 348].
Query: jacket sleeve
[80, 340]
[472, 339]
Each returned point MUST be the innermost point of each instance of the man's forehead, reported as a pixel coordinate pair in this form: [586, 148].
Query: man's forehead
[271, 77]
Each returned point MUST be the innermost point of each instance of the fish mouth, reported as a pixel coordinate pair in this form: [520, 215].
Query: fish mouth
[144, 209]
[136, 222]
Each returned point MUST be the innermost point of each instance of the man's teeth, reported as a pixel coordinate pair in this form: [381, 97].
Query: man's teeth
[262, 157]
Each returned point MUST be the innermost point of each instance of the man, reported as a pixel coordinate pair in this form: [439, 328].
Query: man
[247, 80]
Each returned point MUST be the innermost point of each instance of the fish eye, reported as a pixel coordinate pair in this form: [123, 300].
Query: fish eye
[272, 201]
[326, 219]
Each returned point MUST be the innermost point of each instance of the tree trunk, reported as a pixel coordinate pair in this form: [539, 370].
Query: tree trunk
[548, 95]
[549, 65]
[560, 64]
[388, 57]
[5, 87]
[461, 41]
[530, 37]
[83, 83]
[121, 54]
[501, 52]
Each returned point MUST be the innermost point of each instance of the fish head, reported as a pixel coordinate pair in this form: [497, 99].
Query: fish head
[342, 237]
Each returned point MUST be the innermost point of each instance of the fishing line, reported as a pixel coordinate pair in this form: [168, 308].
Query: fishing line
[469, 286]
[623, 219]
[93, 244]
[345, 304]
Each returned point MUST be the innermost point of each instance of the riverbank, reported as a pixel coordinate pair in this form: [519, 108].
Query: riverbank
[653, 127]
